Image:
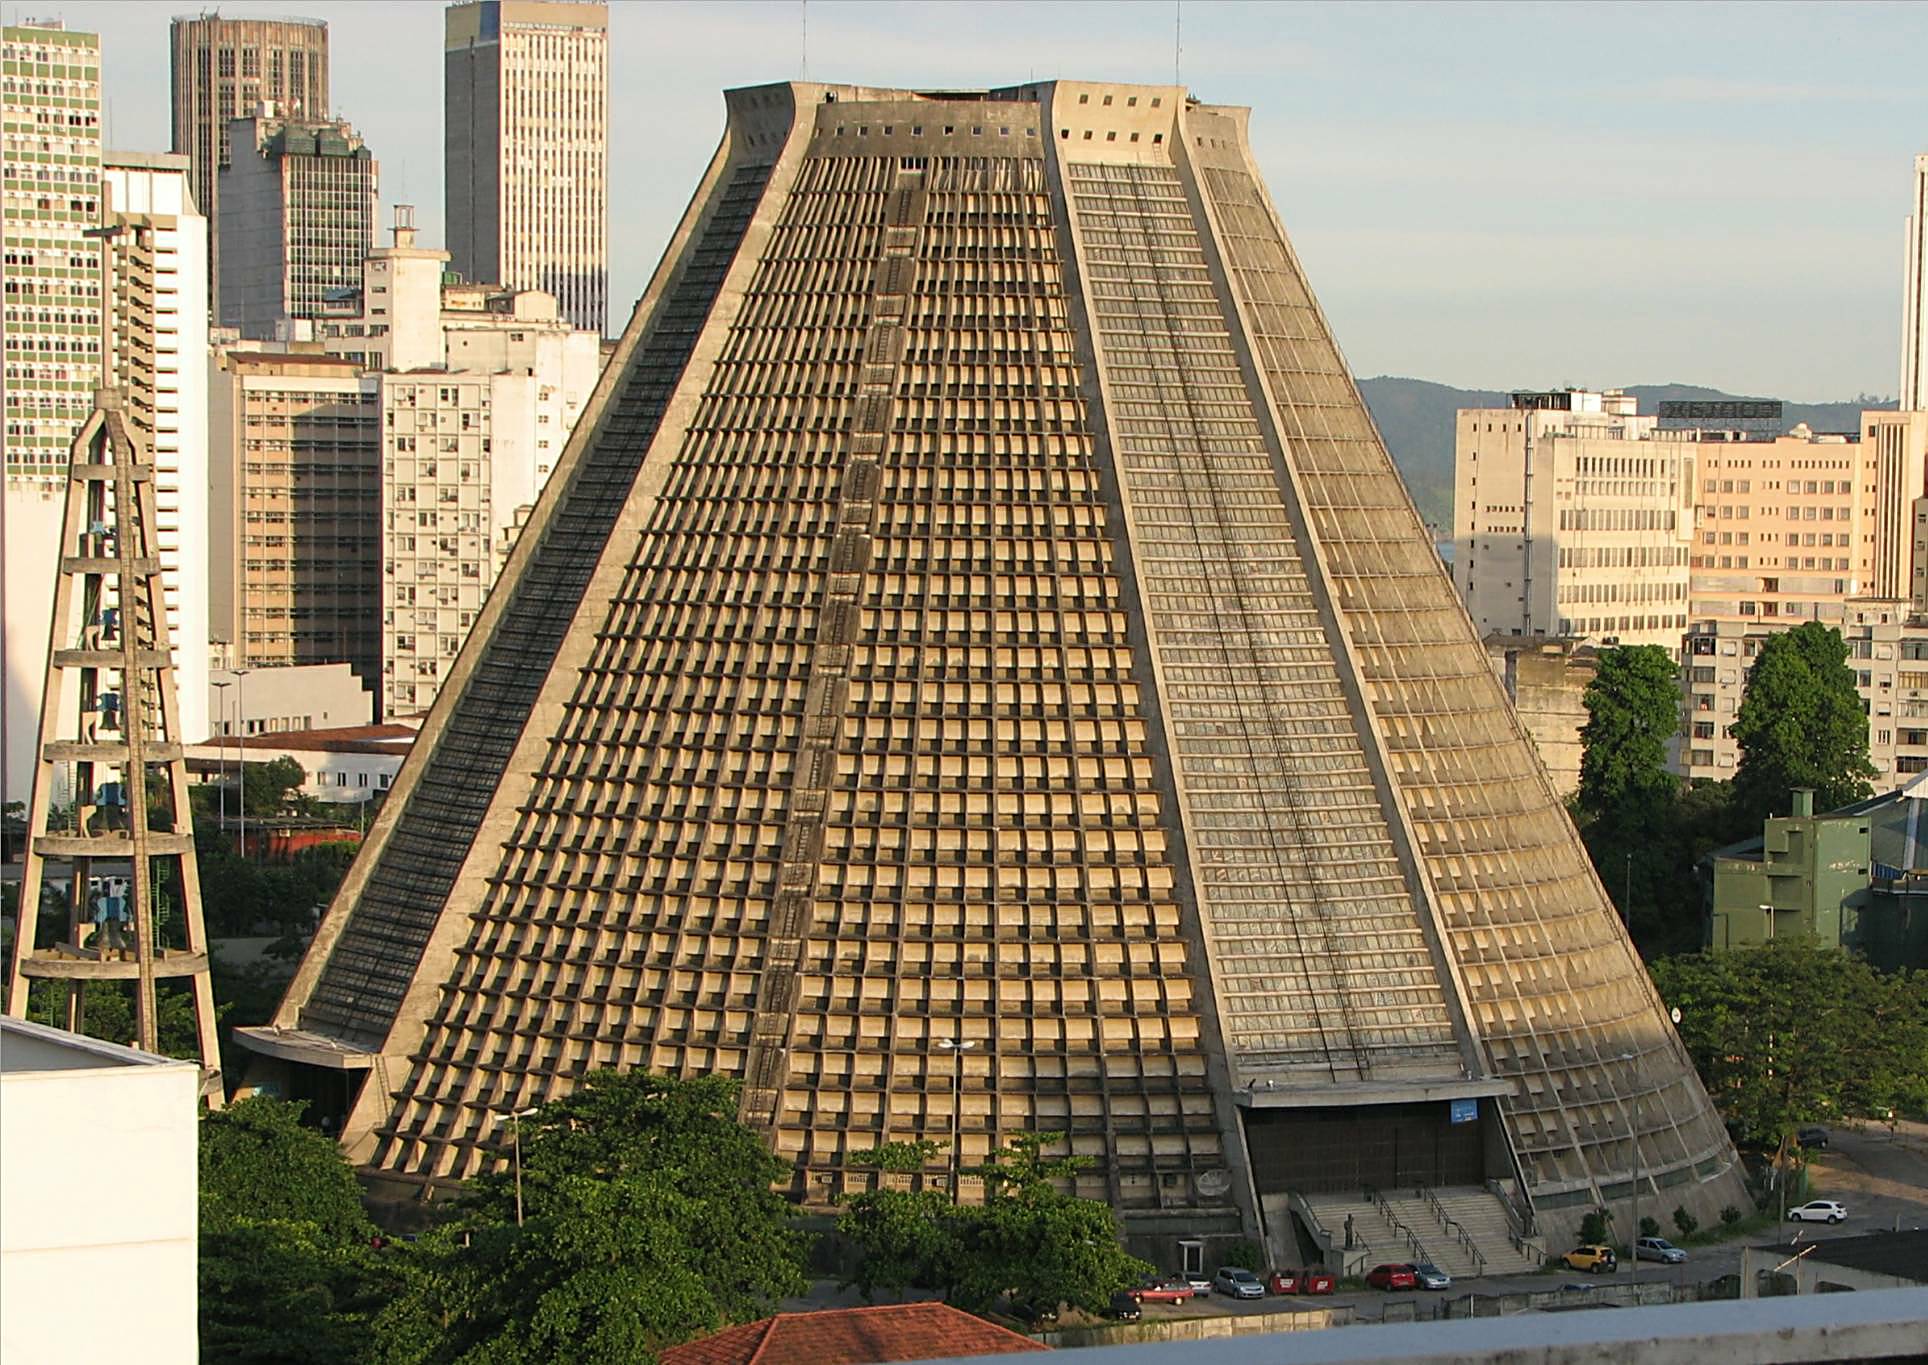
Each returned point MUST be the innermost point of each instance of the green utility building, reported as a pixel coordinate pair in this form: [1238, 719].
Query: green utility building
[1855, 878]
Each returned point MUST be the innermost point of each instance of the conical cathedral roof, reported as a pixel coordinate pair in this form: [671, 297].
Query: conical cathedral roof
[977, 669]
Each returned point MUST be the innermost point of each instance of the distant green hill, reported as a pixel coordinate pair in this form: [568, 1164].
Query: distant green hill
[1416, 418]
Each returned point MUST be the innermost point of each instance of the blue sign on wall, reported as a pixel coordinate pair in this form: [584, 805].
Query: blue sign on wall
[1465, 1111]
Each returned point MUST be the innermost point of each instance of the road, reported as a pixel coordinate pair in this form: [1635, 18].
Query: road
[1881, 1177]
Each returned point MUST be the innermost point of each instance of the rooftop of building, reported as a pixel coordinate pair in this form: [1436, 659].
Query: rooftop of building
[390, 738]
[27, 1048]
[855, 1336]
[152, 161]
[1901, 1254]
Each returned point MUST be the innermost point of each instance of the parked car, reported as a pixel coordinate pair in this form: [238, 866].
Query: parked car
[1238, 1284]
[1124, 1307]
[1037, 1314]
[1282, 1282]
[1168, 1289]
[1392, 1276]
[1658, 1249]
[1593, 1258]
[1818, 1211]
[1429, 1276]
[1200, 1282]
[1816, 1138]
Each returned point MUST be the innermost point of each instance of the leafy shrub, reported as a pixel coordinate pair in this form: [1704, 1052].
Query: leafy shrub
[1730, 1216]
[1593, 1228]
[1245, 1254]
[1650, 1227]
[1685, 1221]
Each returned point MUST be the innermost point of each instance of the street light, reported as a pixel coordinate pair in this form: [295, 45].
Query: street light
[1633, 1133]
[952, 1045]
[221, 747]
[515, 1148]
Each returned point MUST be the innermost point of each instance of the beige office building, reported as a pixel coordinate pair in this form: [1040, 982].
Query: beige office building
[526, 149]
[295, 507]
[1572, 517]
[224, 69]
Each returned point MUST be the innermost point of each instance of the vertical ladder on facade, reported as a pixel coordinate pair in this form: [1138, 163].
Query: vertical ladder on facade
[134, 889]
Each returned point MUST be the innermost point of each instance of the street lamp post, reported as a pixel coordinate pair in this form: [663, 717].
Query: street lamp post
[1633, 1133]
[241, 749]
[221, 747]
[515, 1150]
[957, 1049]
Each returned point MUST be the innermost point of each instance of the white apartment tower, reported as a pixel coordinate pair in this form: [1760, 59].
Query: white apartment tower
[157, 331]
[49, 206]
[1569, 521]
[526, 148]
[1914, 298]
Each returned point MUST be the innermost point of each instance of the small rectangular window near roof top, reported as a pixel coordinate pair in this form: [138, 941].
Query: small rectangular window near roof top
[917, 130]
[1084, 99]
[1087, 136]
[1155, 101]
[1111, 136]
[1107, 101]
[1132, 103]
[1065, 133]
[949, 129]
[1157, 138]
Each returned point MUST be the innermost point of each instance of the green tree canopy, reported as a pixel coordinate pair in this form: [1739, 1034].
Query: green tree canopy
[649, 1217]
[1791, 1032]
[1029, 1239]
[1633, 710]
[259, 1164]
[1801, 724]
[288, 1271]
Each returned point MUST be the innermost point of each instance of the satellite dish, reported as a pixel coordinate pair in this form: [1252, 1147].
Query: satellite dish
[1674, 1014]
[1213, 1182]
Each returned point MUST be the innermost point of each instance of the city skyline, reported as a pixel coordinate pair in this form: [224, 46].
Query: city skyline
[1762, 210]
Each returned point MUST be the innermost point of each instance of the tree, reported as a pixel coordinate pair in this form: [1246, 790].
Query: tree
[1029, 1239]
[258, 1163]
[1791, 1032]
[289, 1269]
[1801, 724]
[649, 1217]
[1633, 710]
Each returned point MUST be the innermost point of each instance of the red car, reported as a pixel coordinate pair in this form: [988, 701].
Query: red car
[1162, 1291]
[1395, 1276]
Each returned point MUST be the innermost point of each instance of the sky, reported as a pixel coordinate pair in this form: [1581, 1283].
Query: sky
[1491, 196]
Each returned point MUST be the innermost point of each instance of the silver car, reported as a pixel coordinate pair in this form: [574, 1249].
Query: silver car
[1238, 1284]
[1429, 1276]
[1658, 1249]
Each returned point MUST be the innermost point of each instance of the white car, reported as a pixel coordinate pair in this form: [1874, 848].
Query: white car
[1818, 1211]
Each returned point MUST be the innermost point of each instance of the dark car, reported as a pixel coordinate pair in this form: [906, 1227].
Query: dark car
[1396, 1275]
[1124, 1307]
[1037, 1314]
[1814, 1138]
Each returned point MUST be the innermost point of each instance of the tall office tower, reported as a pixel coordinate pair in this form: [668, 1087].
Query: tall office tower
[1572, 519]
[299, 204]
[976, 645]
[224, 69]
[294, 560]
[49, 203]
[525, 148]
[1914, 298]
[157, 330]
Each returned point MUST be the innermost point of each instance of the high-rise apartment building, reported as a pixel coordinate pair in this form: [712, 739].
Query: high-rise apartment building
[1914, 297]
[301, 201]
[1572, 517]
[526, 148]
[50, 328]
[157, 338]
[976, 647]
[225, 69]
[295, 506]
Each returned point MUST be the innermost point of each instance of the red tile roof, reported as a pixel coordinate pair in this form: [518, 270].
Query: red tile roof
[347, 739]
[854, 1336]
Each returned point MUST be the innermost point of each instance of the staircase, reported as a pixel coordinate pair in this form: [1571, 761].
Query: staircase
[1463, 1230]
